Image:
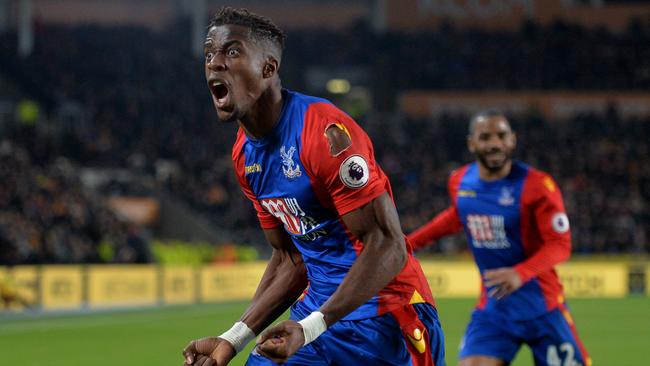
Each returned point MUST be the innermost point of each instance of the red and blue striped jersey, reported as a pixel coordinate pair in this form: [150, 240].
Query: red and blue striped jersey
[518, 221]
[295, 182]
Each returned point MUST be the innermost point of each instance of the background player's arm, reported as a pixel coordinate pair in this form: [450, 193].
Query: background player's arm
[553, 226]
[443, 224]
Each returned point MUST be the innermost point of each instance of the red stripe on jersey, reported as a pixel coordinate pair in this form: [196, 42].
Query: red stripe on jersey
[483, 299]
[416, 336]
[267, 221]
[546, 242]
[574, 331]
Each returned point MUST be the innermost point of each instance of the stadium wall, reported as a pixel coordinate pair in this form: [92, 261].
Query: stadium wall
[71, 287]
[552, 104]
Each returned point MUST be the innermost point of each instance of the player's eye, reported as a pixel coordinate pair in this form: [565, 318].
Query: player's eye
[209, 56]
[232, 52]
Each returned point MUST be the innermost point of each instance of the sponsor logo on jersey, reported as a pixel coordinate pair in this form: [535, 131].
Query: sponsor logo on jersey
[295, 220]
[290, 169]
[488, 231]
[466, 193]
[506, 198]
[560, 223]
[255, 168]
[354, 171]
[417, 340]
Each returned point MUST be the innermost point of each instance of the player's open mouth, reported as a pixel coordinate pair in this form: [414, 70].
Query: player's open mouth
[220, 92]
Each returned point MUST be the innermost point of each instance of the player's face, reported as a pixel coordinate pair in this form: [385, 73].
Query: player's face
[233, 70]
[492, 141]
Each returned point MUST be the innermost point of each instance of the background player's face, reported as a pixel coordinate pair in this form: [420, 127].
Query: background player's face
[492, 141]
[234, 66]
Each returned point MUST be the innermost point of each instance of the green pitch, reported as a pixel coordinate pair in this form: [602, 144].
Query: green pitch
[616, 332]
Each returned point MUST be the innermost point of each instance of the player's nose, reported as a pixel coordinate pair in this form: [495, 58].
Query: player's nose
[217, 63]
[494, 142]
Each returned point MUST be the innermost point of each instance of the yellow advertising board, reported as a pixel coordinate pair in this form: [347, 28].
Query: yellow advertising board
[179, 285]
[594, 279]
[230, 282]
[23, 283]
[61, 287]
[110, 285]
[452, 279]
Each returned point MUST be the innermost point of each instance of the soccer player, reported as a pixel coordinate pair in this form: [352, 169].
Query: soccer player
[517, 228]
[340, 260]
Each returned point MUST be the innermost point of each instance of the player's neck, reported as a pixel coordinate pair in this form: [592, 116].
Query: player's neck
[490, 175]
[260, 121]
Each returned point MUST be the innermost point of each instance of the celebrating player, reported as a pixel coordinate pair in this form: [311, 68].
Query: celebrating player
[340, 259]
[518, 231]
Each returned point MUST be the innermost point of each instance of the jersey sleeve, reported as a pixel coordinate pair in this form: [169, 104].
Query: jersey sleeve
[267, 221]
[543, 200]
[351, 177]
[445, 223]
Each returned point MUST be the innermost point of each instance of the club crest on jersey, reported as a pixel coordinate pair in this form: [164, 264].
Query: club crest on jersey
[354, 171]
[506, 198]
[289, 167]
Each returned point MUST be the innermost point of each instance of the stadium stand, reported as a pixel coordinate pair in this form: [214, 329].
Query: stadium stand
[132, 98]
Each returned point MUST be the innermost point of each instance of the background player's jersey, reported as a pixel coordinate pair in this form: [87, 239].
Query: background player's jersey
[295, 181]
[518, 221]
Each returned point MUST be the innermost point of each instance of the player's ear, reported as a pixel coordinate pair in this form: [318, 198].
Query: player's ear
[270, 67]
[470, 144]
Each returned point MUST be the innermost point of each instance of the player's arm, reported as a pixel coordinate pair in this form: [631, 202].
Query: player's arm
[551, 222]
[282, 282]
[443, 224]
[383, 256]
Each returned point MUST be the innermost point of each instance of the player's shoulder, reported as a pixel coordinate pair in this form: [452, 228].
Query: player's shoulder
[238, 146]
[318, 111]
[539, 180]
[457, 174]
[304, 99]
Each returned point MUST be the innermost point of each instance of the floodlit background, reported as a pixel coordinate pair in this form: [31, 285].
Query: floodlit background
[118, 200]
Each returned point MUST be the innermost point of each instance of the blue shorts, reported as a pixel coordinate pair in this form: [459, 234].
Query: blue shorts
[552, 337]
[390, 339]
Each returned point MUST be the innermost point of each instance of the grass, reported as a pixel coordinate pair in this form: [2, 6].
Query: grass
[615, 332]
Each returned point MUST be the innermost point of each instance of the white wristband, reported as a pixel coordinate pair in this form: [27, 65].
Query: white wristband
[313, 326]
[239, 336]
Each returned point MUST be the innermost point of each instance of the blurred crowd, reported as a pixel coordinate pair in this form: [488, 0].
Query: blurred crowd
[46, 216]
[600, 162]
[129, 97]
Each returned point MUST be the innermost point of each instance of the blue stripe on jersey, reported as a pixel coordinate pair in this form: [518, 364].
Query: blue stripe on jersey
[491, 215]
[284, 189]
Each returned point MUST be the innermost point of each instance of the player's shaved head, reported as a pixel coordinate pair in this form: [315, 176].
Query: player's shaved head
[484, 116]
[262, 29]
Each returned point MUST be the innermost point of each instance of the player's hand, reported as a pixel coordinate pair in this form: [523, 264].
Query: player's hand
[281, 341]
[208, 351]
[505, 281]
